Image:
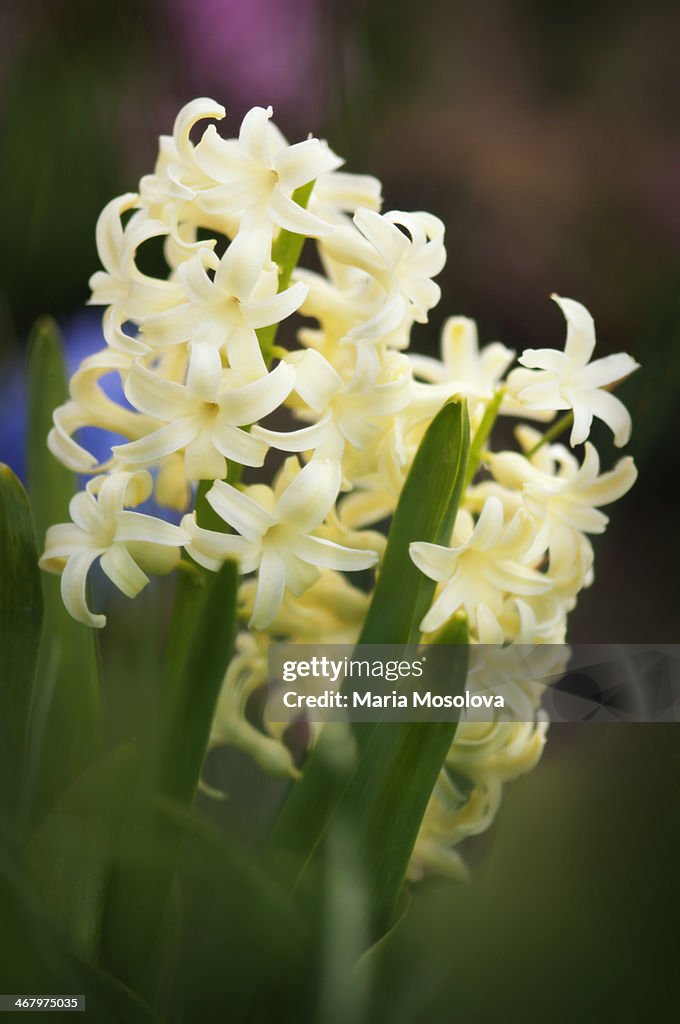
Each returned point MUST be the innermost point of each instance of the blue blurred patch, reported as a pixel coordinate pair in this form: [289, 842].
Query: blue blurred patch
[82, 334]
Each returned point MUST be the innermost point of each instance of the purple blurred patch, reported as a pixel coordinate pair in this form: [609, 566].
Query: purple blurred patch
[260, 52]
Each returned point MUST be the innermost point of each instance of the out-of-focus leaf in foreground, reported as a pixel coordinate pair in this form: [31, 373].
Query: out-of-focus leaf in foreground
[70, 854]
[20, 621]
[66, 721]
[138, 899]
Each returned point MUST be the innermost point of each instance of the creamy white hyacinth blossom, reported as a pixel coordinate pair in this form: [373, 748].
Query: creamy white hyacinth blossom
[203, 418]
[196, 352]
[487, 559]
[568, 380]
[125, 542]
[276, 534]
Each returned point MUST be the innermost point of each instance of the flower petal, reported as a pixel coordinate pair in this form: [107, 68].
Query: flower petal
[303, 162]
[246, 516]
[204, 374]
[238, 445]
[326, 554]
[123, 571]
[138, 527]
[580, 331]
[308, 499]
[272, 310]
[167, 439]
[154, 395]
[613, 412]
[435, 561]
[271, 582]
[210, 548]
[289, 215]
[74, 588]
[316, 381]
[252, 402]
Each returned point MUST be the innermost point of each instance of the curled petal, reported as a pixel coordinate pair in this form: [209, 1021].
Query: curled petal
[316, 381]
[192, 112]
[289, 215]
[74, 588]
[211, 549]
[580, 330]
[123, 571]
[613, 412]
[434, 560]
[62, 541]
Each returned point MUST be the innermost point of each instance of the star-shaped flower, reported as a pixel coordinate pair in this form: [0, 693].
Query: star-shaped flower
[258, 173]
[126, 543]
[203, 417]
[486, 562]
[276, 535]
[568, 380]
[223, 312]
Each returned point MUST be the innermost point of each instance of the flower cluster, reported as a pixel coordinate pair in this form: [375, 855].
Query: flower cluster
[196, 349]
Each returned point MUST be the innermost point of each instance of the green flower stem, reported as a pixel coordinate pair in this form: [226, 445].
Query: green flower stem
[481, 434]
[562, 424]
[286, 252]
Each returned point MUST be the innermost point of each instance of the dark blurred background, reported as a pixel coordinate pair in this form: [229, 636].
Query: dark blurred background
[547, 137]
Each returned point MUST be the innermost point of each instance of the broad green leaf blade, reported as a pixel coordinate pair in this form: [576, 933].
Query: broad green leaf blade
[33, 957]
[148, 858]
[21, 609]
[242, 934]
[66, 720]
[70, 855]
[384, 784]
[426, 511]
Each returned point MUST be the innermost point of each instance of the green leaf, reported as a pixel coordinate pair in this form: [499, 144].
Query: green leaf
[387, 796]
[66, 720]
[242, 934]
[381, 788]
[426, 511]
[148, 859]
[21, 609]
[70, 854]
[33, 957]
